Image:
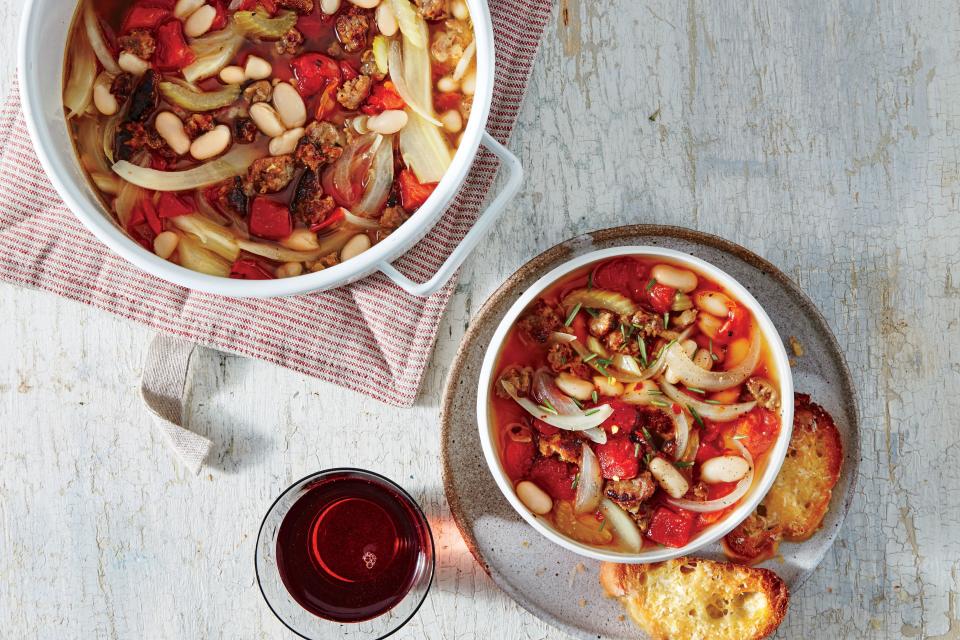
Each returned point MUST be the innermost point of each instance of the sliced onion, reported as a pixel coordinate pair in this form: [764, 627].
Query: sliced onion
[357, 221]
[409, 20]
[379, 183]
[424, 149]
[399, 81]
[580, 422]
[546, 392]
[78, 94]
[694, 376]
[348, 176]
[681, 431]
[213, 54]
[107, 182]
[110, 135]
[597, 435]
[280, 254]
[728, 500]
[622, 524]
[233, 164]
[214, 237]
[715, 412]
[95, 35]
[589, 482]
[464, 63]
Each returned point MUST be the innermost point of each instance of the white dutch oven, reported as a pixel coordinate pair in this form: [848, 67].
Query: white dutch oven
[43, 37]
[761, 484]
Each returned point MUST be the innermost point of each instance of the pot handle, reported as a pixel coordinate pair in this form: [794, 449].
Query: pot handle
[473, 237]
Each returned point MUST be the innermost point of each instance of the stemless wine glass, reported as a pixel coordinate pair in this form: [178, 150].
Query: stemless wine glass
[379, 492]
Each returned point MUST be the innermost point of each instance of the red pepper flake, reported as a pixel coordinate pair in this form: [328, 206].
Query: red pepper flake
[172, 54]
[249, 269]
[412, 193]
[270, 219]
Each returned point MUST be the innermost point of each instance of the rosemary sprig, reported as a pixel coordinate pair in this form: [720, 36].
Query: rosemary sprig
[659, 403]
[576, 481]
[695, 390]
[549, 408]
[593, 394]
[573, 314]
[683, 464]
[696, 416]
[651, 283]
[643, 351]
[740, 436]
[591, 412]
[666, 320]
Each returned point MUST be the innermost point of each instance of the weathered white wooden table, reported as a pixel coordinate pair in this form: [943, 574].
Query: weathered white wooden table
[823, 136]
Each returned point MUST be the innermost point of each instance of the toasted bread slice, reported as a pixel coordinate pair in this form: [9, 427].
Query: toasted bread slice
[695, 599]
[800, 496]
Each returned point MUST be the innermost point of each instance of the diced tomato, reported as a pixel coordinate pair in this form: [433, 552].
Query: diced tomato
[412, 193]
[147, 15]
[347, 72]
[544, 428]
[518, 458]
[659, 296]
[671, 528]
[382, 98]
[172, 53]
[618, 457]
[759, 430]
[335, 216]
[249, 269]
[621, 275]
[555, 477]
[314, 72]
[150, 213]
[171, 205]
[270, 219]
[447, 101]
[624, 417]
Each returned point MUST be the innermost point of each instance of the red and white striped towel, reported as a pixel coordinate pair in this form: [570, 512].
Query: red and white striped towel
[370, 336]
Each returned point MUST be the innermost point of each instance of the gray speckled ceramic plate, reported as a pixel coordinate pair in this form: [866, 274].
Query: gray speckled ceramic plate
[556, 585]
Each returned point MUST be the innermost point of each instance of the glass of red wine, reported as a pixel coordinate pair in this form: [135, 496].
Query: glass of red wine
[344, 553]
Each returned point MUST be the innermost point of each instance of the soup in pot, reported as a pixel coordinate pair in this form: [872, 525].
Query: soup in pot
[260, 139]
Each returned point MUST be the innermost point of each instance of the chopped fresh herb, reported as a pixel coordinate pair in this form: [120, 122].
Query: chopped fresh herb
[590, 357]
[601, 368]
[683, 464]
[713, 402]
[696, 416]
[577, 402]
[593, 312]
[625, 332]
[659, 403]
[666, 320]
[651, 283]
[604, 362]
[647, 458]
[695, 390]
[593, 394]
[611, 380]
[646, 434]
[740, 436]
[549, 408]
[636, 450]
[591, 412]
[713, 356]
[576, 481]
[654, 392]
[573, 314]
[602, 523]
[643, 350]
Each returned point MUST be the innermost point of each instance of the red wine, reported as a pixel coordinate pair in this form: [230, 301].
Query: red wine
[350, 548]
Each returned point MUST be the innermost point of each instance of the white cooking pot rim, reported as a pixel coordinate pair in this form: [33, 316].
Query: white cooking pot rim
[777, 453]
[41, 118]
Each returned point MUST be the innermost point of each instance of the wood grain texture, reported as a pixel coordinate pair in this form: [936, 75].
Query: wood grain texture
[821, 135]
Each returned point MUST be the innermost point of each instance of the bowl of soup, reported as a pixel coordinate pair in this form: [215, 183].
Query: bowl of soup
[635, 404]
[260, 147]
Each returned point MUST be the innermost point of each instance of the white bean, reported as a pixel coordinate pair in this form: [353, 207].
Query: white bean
[257, 68]
[355, 246]
[266, 119]
[387, 122]
[573, 386]
[680, 279]
[386, 19]
[132, 64]
[365, 4]
[233, 75]
[165, 244]
[713, 302]
[289, 270]
[186, 8]
[459, 10]
[329, 7]
[671, 480]
[534, 498]
[446, 84]
[452, 121]
[469, 83]
[212, 143]
[301, 240]
[724, 469]
[200, 21]
[170, 128]
[103, 99]
[709, 325]
[289, 105]
[286, 143]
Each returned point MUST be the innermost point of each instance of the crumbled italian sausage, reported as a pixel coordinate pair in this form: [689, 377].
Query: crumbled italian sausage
[270, 174]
